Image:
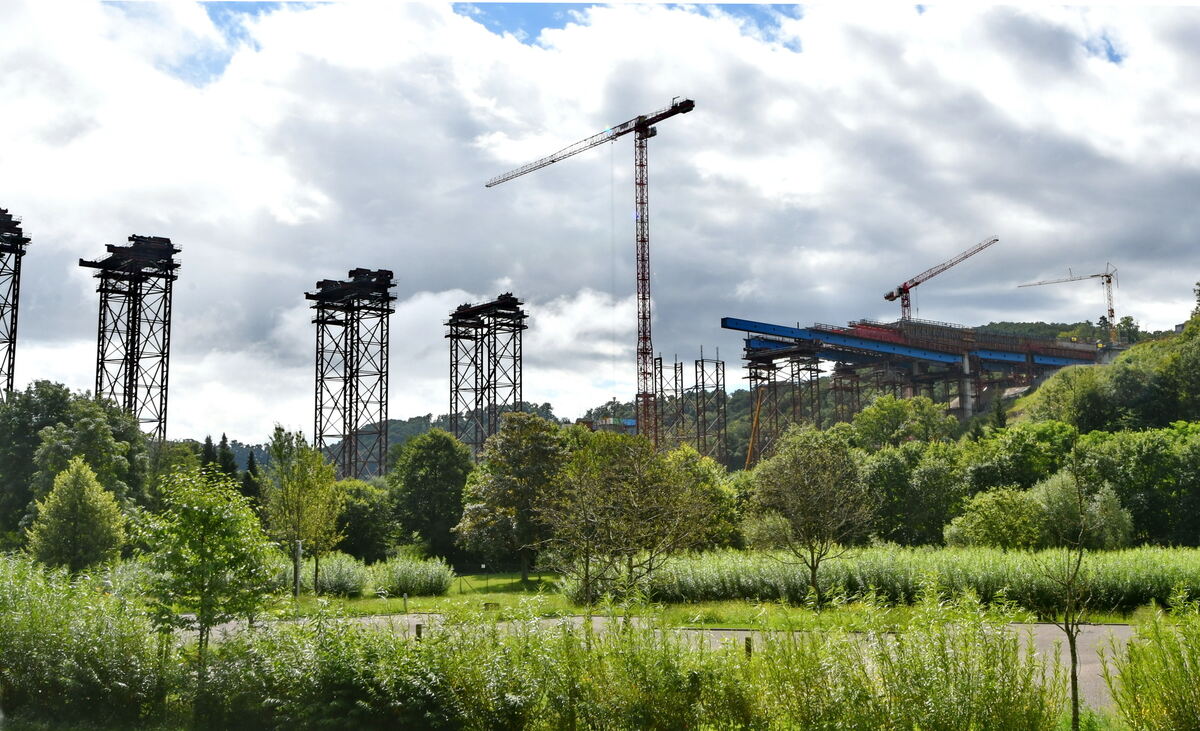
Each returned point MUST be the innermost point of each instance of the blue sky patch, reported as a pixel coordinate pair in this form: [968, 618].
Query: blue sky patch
[1102, 46]
[526, 21]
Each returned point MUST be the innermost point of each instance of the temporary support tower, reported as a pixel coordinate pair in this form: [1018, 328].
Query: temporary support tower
[672, 404]
[134, 334]
[486, 362]
[12, 247]
[711, 402]
[351, 408]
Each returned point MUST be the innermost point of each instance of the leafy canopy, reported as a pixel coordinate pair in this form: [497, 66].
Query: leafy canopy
[79, 524]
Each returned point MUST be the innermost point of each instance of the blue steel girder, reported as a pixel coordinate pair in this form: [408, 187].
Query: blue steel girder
[822, 352]
[838, 346]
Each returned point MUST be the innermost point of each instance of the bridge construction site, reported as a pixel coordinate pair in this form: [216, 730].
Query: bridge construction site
[787, 366]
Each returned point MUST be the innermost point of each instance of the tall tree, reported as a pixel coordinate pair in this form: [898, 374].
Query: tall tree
[251, 487]
[22, 417]
[366, 521]
[209, 555]
[208, 453]
[225, 459]
[523, 461]
[79, 524]
[621, 510]
[811, 486]
[427, 484]
[303, 500]
[107, 438]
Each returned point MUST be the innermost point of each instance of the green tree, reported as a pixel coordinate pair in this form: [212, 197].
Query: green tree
[1102, 524]
[1196, 294]
[619, 512]
[890, 421]
[225, 459]
[208, 453]
[108, 439]
[1006, 517]
[303, 500]
[523, 461]
[251, 480]
[708, 482]
[812, 485]
[426, 483]
[366, 520]
[79, 524]
[209, 557]
[167, 458]
[22, 417]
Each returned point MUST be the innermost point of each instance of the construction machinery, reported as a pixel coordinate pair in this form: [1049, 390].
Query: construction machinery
[1107, 278]
[902, 291]
[643, 129]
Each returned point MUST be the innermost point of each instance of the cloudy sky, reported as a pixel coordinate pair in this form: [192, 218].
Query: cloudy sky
[833, 152]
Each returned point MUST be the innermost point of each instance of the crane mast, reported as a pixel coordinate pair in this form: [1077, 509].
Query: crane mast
[901, 292]
[1106, 278]
[643, 129]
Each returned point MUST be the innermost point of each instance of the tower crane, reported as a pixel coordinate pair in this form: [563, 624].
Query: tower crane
[901, 292]
[1106, 277]
[643, 129]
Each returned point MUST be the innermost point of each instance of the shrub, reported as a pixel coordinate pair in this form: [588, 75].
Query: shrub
[1153, 677]
[1004, 518]
[79, 524]
[70, 652]
[399, 576]
[341, 575]
[1104, 524]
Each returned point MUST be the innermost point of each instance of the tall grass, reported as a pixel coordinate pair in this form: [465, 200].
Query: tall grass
[343, 575]
[1155, 678]
[1119, 581]
[71, 650]
[958, 668]
[415, 577]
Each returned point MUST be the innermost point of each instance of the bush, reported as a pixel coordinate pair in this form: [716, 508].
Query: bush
[341, 575]
[1104, 524]
[400, 576]
[1004, 518]
[71, 652]
[1153, 677]
[79, 524]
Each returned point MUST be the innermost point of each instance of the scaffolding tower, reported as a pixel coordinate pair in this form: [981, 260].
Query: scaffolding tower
[711, 402]
[134, 333]
[486, 363]
[351, 407]
[671, 402]
[12, 247]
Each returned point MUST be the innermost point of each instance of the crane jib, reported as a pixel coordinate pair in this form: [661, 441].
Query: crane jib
[682, 106]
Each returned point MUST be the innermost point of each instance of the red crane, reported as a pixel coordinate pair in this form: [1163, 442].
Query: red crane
[902, 292]
[1106, 278]
[643, 129]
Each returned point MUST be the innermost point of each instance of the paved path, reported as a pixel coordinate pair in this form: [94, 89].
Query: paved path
[1092, 639]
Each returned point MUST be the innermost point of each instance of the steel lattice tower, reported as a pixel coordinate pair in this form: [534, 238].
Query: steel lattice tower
[351, 405]
[134, 333]
[486, 364]
[12, 247]
[711, 404]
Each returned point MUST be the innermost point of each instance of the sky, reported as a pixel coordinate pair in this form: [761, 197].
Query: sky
[834, 151]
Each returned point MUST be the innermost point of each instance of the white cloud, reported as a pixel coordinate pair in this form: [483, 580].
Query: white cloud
[828, 158]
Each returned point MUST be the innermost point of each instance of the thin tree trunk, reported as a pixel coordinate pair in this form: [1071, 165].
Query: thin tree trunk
[316, 574]
[296, 571]
[1072, 645]
[524, 567]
